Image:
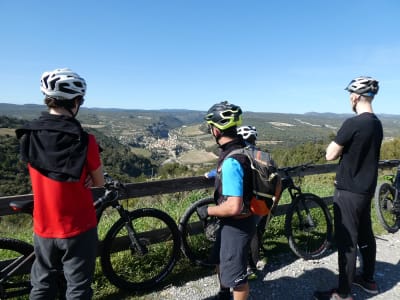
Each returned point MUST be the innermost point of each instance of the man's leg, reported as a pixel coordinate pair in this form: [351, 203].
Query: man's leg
[241, 292]
[346, 235]
[367, 243]
[79, 264]
[43, 272]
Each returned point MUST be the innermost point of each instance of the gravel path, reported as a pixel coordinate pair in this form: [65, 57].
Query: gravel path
[290, 278]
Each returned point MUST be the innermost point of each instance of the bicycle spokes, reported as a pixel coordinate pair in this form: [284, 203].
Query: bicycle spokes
[308, 227]
[306, 220]
[141, 251]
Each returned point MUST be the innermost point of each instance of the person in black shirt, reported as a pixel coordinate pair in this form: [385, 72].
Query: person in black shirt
[357, 145]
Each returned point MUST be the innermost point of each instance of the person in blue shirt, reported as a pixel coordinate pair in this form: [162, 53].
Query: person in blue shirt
[249, 135]
[233, 191]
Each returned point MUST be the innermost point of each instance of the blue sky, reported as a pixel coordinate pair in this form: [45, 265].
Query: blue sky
[268, 56]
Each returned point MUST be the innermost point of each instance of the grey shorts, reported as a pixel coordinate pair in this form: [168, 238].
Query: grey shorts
[232, 246]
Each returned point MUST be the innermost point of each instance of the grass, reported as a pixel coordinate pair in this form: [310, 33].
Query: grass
[175, 204]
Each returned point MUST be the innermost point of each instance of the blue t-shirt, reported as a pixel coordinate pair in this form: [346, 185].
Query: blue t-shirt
[232, 178]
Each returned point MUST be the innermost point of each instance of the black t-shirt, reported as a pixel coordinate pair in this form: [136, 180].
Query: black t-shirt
[361, 137]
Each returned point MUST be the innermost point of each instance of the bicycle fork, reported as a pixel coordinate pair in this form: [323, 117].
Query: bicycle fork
[134, 244]
[308, 222]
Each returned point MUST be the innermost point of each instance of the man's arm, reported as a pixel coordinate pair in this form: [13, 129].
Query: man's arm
[333, 151]
[231, 207]
[97, 176]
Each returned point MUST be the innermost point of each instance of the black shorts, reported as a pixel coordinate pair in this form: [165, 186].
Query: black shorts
[232, 248]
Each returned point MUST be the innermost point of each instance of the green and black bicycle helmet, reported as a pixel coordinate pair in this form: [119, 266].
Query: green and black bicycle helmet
[364, 86]
[224, 115]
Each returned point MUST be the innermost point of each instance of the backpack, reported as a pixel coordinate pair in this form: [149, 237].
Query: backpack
[267, 185]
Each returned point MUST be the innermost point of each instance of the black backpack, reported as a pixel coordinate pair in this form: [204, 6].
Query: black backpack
[266, 180]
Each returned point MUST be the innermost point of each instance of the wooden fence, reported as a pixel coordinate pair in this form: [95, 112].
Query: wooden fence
[158, 187]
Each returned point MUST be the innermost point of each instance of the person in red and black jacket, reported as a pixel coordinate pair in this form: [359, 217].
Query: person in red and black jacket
[63, 162]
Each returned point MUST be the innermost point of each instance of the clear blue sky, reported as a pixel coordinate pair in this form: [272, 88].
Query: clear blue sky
[269, 56]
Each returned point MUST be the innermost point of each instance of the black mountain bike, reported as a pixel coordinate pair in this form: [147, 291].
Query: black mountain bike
[387, 202]
[138, 251]
[308, 223]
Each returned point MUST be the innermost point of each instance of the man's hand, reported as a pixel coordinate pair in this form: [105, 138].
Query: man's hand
[88, 181]
[202, 212]
[211, 174]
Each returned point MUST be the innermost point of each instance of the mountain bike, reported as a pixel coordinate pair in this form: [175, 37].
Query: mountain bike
[138, 251]
[308, 223]
[386, 200]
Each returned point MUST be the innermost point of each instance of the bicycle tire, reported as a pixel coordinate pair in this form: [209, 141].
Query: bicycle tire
[308, 241]
[129, 270]
[384, 204]
[196, 246]
[13, 251]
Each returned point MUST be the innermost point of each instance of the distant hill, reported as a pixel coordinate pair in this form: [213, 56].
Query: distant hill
[274, 128]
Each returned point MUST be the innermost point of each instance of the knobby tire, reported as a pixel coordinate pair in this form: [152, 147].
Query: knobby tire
[384, 205]
[130, 270]
[196, 245]
[307, 240]
[12, 251]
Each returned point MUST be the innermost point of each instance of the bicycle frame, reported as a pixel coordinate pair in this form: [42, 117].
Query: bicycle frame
[288, 182]
[111, 198]
[15, 266]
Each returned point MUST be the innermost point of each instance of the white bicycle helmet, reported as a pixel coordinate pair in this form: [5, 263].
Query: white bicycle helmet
[62, 84]
[364, 86]
[247, 131]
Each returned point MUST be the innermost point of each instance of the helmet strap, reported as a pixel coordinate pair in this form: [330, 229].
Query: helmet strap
[354, 100]
[216, 133]
[77, 106]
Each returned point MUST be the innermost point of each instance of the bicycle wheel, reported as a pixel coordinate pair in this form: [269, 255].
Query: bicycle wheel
[127, 268]
[384, 206]
[197, 237]
[16, 258]
[308, 226]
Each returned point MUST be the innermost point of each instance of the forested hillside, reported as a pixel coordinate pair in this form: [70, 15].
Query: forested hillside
[118, 160]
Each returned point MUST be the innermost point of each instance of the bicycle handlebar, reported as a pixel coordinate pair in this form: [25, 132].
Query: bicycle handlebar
[302, 167]
[390, 162]
[112, 191]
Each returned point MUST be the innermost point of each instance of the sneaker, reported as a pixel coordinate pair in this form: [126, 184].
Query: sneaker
[261, 264]
[252, 276]
[251, 273]
[368, 286]
[330, 295]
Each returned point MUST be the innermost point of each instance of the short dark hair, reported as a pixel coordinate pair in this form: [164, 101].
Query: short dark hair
[68, 104]
[230, 132]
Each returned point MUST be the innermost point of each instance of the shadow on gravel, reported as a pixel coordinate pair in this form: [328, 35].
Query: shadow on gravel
[304, 285]
[387, 276]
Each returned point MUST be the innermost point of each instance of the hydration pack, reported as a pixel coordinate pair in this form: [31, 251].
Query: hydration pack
[266, 180]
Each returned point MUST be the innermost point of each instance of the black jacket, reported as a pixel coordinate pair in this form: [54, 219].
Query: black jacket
[55, 145]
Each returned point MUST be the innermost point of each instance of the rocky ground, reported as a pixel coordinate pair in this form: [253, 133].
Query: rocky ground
[289, 278]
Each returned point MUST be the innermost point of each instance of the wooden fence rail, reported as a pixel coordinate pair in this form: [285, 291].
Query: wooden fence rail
[136, 190]
[158, 187]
